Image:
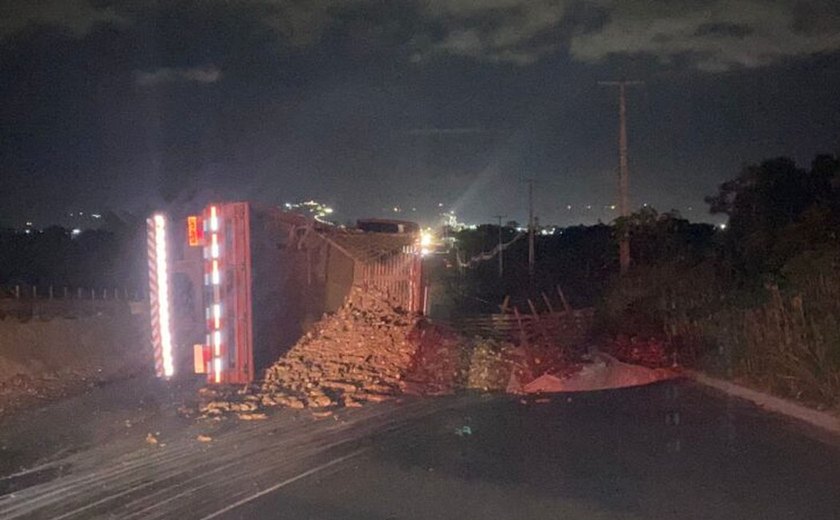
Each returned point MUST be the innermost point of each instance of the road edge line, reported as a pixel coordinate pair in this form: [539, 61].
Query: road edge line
[284, 483]
[786, 407]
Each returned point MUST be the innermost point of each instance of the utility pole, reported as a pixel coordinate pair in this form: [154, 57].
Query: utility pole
[531, 228]
[623, 168]
[501, 259]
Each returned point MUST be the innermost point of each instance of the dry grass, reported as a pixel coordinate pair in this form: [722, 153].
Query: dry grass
[790, 345]
[784, 339]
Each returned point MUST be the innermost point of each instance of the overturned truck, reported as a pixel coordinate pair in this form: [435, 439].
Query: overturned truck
[234, 287]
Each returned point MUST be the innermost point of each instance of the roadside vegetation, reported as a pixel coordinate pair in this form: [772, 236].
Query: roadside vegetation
[757, 300]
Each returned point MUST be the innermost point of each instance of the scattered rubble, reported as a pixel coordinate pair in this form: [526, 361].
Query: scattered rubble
[441, 362]
[360, 354]
[647, 352]
[251, 416]
[601, 373]
[21, 391]
[463, 431]
[370, 351]
[491, 363]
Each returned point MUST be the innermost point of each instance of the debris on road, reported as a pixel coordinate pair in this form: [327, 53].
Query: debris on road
[204, 438]
[151, 439]
[463, 431]
[650, 352]
[491, 363]
[544, 383]
[371, 350]
[440, 364]
[251, 416]
[360, 353]
[603, 372]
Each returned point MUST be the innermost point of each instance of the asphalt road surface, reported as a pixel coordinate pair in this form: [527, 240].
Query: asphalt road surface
[666, 451]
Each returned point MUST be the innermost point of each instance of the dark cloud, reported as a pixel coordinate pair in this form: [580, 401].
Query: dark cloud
[723, 29]
[163, 75]
[466, 130]
[711, 34]
[495, 30]
[76, 17]
[816, 17]
[714, 35]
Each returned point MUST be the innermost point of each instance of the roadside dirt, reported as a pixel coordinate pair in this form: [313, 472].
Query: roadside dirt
[42, 360]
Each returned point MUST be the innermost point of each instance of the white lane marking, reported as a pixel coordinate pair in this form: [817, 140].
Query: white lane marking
[285, 483]
[34, 469]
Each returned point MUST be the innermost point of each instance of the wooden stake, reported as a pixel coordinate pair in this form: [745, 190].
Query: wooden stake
[566, 306]
[547, 303]
[533, 309]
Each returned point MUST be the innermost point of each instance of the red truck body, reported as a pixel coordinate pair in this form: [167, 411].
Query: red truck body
[265, 276]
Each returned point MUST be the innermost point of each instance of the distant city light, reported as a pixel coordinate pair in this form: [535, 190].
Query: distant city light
[449, 219]
[311, 207]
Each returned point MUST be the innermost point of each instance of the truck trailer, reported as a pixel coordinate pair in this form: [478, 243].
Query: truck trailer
[234, 287]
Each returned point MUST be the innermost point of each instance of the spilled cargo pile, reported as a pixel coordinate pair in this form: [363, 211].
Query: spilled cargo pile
[491, 364]
[371, 351]
[440, 361]
[362, 353]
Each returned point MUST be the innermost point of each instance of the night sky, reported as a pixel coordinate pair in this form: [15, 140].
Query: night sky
[368, 105]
